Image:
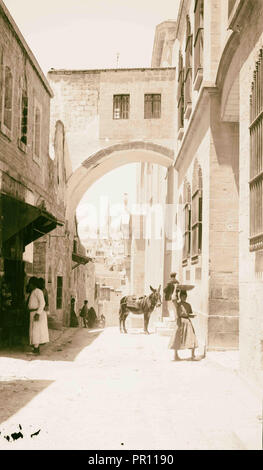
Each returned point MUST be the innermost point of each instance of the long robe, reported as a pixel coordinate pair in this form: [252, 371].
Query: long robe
[183, 336]
[38, 330]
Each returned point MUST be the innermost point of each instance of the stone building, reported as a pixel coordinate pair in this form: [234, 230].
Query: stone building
[114, 117]
[108, 120]
[34, 235]
[192, 122]
[217, 184]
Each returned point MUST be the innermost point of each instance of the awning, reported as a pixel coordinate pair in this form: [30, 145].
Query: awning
[19, 217]
[80, 259]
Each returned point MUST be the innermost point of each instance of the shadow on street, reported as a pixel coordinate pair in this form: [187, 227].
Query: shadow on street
[15, 394]
[65, 348]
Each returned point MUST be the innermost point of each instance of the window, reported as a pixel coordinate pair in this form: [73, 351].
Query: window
[75, 246]
[256, 158]
[23, 118]
[187, 221]
[180, 93]
[188, 69]
[152, 106]
[197, 211]
[7, 102]
[59, 292]
[37, 131]
[199, 41]
[121, 106]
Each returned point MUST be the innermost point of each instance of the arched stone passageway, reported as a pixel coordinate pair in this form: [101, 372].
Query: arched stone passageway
[108, 159]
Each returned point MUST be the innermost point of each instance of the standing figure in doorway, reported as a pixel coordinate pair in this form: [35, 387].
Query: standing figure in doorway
[184, 335]
[38, 329]
[73, 317]
[84, 314]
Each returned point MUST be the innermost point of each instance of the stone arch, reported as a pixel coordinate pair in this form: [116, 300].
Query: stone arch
[108, 159]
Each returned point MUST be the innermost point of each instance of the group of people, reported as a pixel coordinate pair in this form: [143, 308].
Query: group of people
[38, 308]
[88, 315]
[184, 336]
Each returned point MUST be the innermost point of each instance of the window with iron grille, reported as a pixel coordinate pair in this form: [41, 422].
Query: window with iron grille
[59, 292]
[199, 36]
[180, 92]
[256, 158]
[188, 64]
[121, 106]
[196, 211]
[24, 117]
[8, 98]
[152, 106]
[187, 221]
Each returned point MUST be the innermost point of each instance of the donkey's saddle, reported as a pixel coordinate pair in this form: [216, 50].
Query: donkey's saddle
[134, 302]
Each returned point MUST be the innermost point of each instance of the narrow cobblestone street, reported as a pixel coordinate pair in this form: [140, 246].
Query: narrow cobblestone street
[95, 389]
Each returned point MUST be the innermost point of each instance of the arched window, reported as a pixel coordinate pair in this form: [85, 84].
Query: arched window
[8, 98]
[180, 92]
[197, 211]
[188, 69]
[256, 158]
[198, 43]
[187, 221]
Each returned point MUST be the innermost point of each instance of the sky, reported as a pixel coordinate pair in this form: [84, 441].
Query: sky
[88, 34]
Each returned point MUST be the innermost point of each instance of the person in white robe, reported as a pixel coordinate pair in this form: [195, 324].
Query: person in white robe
[38, 327]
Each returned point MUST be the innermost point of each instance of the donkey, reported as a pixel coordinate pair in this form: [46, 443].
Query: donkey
[140, 306]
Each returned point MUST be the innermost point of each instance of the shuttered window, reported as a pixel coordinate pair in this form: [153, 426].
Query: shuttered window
[187, 221]
[180, 93]
[199, 36]
[256, 158]
[152, 106]
[121, 106]
[196, 212]
[188, 64]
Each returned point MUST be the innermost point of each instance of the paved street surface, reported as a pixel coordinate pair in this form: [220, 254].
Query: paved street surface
[95, 389]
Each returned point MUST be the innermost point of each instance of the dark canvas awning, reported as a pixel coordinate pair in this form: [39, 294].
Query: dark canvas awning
[19, 217]
[80, 259]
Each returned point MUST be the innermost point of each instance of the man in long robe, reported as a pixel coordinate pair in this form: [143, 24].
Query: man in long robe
[38, 327]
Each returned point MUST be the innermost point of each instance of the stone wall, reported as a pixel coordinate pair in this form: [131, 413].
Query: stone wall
[15, 161]
[84, 103]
